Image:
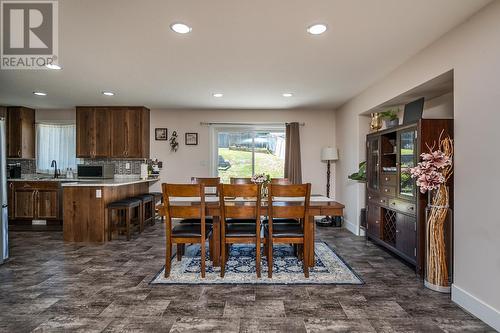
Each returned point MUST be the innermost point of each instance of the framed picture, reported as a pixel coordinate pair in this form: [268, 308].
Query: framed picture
[161, 134]
[191, 139]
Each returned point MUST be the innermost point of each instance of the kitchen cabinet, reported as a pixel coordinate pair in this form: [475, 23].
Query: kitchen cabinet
[32, 200]
[116, 132]
[373, 220]
[93, 136]
[20, 132]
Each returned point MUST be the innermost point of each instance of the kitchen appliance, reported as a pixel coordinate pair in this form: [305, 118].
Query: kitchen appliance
[102, 171]
[4, 222]
[14, 170]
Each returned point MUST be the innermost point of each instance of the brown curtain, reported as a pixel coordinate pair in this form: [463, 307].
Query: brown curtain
[293, 166]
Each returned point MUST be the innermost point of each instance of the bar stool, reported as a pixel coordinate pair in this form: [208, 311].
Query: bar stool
[147, 208]
[125, 218]
[158, 197]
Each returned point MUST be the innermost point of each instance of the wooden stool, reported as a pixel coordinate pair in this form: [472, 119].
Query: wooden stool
[148, 208]
[158, 197]
[124, 212]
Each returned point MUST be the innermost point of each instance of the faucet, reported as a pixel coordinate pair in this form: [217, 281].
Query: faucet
[53, 164]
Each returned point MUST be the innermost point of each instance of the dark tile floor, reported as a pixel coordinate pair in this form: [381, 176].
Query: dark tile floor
[52, 286]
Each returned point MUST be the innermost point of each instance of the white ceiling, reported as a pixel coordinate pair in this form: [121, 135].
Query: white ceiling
[252, 51]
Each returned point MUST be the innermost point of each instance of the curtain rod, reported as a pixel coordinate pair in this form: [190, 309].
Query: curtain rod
[246, 124]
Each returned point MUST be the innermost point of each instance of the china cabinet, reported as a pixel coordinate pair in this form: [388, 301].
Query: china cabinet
[395, 209]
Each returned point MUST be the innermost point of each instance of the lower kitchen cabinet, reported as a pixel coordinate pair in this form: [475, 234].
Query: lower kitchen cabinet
[34, 200]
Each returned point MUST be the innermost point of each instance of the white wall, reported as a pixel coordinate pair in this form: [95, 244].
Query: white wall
[472, 50]
[191, 161]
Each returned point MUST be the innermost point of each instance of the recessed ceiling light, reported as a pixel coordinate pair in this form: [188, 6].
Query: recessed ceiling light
[39, 93]
[217, 95]
[287, 94]
[53, 66]
[180, 28]
[316, 29]
[108, 93]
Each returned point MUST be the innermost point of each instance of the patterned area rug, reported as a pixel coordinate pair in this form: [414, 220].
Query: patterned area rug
[330, 268]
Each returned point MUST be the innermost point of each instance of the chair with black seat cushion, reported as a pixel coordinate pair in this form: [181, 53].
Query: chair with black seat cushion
[280, 181]
[123, 215]
[240, 232]
[210, 184]
[185, 233]
[240, 180]
[287, 233]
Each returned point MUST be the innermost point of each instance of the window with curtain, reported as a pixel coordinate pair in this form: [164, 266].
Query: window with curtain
[55, 142]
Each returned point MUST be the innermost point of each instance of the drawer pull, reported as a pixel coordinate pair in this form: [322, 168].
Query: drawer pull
[386, 190]
[386, 179]
[411, 208]
[376, 222]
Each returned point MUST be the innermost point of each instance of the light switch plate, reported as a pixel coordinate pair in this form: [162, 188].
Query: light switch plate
[98, 193]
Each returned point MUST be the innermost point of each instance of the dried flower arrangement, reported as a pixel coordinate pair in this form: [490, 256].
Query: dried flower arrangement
[432, 175]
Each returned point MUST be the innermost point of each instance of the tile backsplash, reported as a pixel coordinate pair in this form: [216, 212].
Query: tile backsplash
[28, 166]
[120, 165]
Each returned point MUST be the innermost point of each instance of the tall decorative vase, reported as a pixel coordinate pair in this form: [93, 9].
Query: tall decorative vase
[438, 217]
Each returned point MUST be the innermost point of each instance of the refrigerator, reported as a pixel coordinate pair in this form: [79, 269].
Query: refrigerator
[4, 216]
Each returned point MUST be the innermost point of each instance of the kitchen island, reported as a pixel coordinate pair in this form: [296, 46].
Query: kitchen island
[85, 217]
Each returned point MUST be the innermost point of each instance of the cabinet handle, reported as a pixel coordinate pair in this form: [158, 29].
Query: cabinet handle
[386, 190]
[381, 201]
[18, 153]
[376, 222]
[369, 198]
[397, 231]
[386, 179]
[411, 208]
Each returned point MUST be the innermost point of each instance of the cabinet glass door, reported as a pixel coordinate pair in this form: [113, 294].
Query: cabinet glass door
[373, 172]
[407, 160]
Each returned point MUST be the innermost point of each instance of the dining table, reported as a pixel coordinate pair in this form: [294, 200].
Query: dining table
[319, 206]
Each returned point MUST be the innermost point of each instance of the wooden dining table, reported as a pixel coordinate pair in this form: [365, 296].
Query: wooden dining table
[319, 206]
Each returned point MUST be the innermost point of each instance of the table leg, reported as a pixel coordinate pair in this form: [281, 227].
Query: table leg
[310, 241]
[216, 236]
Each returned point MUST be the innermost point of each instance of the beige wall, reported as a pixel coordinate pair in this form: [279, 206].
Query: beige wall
[58, 116]
[191, 161]
[472, 50]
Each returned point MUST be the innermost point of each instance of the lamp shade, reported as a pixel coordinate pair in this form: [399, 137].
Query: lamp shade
[329, 154]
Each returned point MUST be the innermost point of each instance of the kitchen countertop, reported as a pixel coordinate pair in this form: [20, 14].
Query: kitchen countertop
[66, 182]
[107, 182]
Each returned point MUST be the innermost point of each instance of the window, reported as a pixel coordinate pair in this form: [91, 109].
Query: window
[55, 142]
[245, 151]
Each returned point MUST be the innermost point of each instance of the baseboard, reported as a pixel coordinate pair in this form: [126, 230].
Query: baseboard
[351, 227]
[476, 307]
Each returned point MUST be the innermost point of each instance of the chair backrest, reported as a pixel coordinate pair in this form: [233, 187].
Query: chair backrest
[184, 211]
[280, 207]
[210, 183]
[240, 180]
[248, 205]
[281, 181]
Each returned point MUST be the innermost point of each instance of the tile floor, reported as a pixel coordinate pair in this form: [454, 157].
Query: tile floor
[52, 286]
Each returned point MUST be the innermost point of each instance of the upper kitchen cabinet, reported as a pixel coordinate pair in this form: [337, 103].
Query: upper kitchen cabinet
[130, 132]
[117, 132]
[93, 135]
[20, 132]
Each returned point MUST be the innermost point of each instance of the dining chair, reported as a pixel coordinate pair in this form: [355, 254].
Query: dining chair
[240, 180]
[281, 205]
[210, 183]
[240, 232]
[280, 181]
[185, 233]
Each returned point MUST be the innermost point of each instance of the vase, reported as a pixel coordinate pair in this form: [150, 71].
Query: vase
[391, 122]
[264, 191]
[438, 217]
[376, 122]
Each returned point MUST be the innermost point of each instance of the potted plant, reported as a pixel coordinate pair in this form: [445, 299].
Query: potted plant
[359, 176]
[390, 118]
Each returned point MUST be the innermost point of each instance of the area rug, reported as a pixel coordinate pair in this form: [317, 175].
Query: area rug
[330, 268]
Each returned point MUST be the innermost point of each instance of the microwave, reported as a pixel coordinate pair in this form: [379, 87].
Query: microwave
[96, 171]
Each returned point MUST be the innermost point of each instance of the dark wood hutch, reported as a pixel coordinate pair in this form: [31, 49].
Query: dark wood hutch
[395, 210]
